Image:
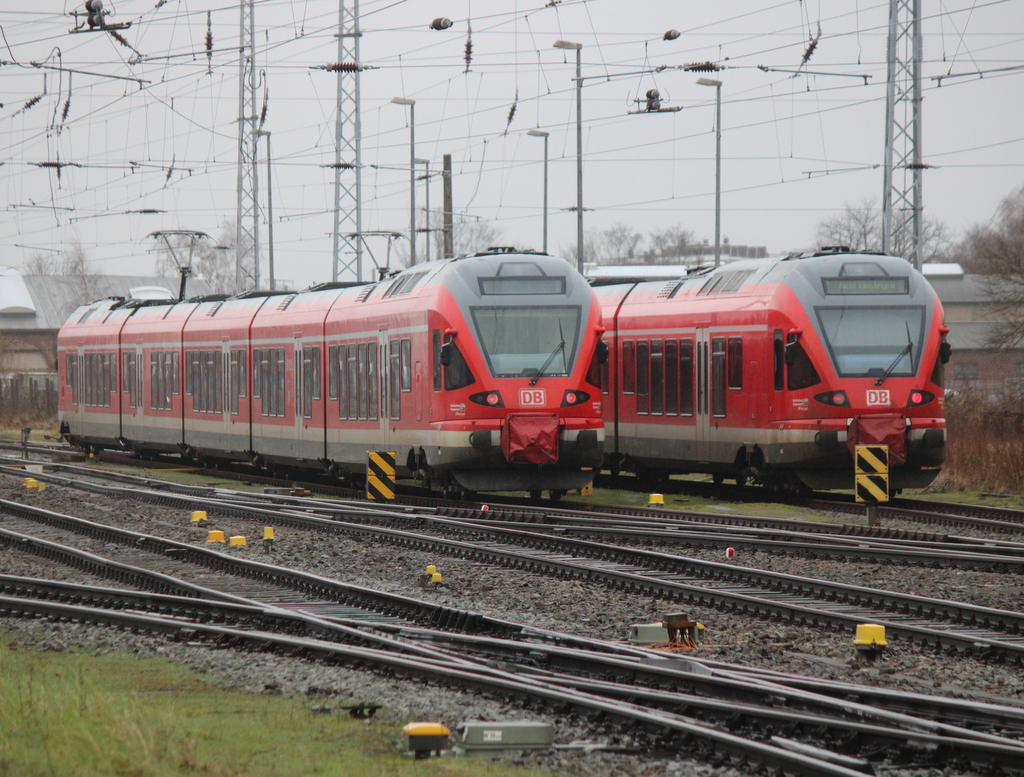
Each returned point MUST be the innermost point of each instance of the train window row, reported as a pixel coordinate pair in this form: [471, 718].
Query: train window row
[352, 380]
[100, 379]
[204, 380]
[268, 380]
[164, 379]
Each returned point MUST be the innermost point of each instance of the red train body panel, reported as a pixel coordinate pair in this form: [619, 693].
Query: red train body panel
[774, 369]
[479, 372]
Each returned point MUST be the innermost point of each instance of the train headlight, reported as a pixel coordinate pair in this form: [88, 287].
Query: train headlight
[833, 398]
[571, 398]
[487, 399]
[920, 398]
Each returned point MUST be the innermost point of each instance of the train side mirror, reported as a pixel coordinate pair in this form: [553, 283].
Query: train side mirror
[602, 352]
[945, 351]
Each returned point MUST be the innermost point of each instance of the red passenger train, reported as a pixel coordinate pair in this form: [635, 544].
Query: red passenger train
[479, 372]
[774, 369]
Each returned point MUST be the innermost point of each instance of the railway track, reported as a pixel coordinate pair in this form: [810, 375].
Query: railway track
[719, 695]
[931, 622]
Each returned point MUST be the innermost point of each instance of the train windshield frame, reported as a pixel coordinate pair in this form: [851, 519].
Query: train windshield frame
[517, 341]
[872, 341]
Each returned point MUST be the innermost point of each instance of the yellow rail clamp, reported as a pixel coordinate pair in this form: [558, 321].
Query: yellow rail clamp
[30, 483]
[380, 475]
[870, 634]
[871, 473]
[198, 516]
[215, 535]
[656, 500]
[238, 539]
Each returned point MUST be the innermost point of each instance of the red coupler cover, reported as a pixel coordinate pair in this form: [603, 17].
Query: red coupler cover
[530, 439]
[889, 429]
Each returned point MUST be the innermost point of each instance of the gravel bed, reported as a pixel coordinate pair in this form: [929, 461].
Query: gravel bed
[529, 598]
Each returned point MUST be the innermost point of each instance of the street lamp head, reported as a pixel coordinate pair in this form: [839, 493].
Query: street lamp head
[537, 133]
[709, 82]
[565, 44]
[403, 101]
[421, 161]
[671, 35]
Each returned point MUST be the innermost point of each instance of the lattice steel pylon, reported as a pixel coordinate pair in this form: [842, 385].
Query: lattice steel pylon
[247, 253]
[902, 196]
[348, 216]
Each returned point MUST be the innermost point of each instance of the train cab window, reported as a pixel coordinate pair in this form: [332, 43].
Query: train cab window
[435, 352]
[686, 377]
[406, 365]
[718, 376]
[457, 374]
[735, 362]
[628, 367]
[671, 377]
[801, 373]
[779, 359]
[394, 379]
[643, 395]
[364, 401]
[657, 378]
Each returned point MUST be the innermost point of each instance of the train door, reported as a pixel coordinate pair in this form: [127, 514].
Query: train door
[702, 411]
[133, 407]
[309, 406]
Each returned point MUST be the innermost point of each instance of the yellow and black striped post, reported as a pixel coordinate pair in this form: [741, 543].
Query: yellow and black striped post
[380, 475]
[871, 467]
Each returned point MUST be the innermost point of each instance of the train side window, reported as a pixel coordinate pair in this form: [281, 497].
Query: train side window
[718, 376]
[406, 365]
[779, 358]
[643, 374]
[394, 378]
[332, 372]
[242, 373]
[234, 381]
[594, 370]
[735, 362]
[342, 366]
[363, 380]
[219, 381]
[801, 373]
[267, 379]
[127, 378]
[153, 372]
[457, 374]
[657, 378]
[435, 346]
[671, 377]
[628, 367]
[279, 394]
[316, 372]
[353, 382]
[71, 368]
[371, 380]
[307, 381]
[256, 373]
[939, 373]
[176, 373]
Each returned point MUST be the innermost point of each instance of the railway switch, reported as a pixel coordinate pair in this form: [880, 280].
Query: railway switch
[424, 738]
[268, 539]
[869, 641]
[238, 539]
[215, 535]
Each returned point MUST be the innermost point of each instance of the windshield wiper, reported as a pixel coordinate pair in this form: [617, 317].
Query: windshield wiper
[551, 356]
[908, 348]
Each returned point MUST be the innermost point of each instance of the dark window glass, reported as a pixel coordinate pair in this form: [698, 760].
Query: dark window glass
[353, 382]
[939, 373]
[363, 380]
[594, 371]
[243, 374]
[643, 396]
[317, 380]
[779, 358]
[307, 381]
[394, 378]
[332, 372]
[342, 382]
[235, 381]
[685, 377]
[628, 368]
[372, 390]
[406, 365]
[657, 378]
[435, 349]
[279, 393]
[735, 362]
[801, 371]
[457, 373]
[718, 376]
[671, 377]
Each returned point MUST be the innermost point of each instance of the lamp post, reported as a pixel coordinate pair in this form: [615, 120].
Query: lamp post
[412, 173]
[577, 47]
[542, 134]
[426, 205]
[718, 163]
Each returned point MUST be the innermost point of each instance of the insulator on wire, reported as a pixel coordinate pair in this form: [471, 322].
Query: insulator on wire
[441, 23]
[341, 67]
[469, 48]
[653, 100]
[94, 11]
[32, 102]
[67, 108]
[810, 50]
[209, 42]
[702, 67]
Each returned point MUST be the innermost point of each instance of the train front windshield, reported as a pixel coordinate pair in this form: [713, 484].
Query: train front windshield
[872, 342]
[527, 341]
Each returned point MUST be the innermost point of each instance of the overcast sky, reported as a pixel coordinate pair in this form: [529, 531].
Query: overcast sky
[796, 147]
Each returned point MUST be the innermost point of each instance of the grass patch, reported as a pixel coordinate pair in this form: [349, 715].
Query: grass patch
[77, 714]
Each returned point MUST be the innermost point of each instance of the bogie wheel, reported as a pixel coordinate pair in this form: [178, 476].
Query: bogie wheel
[555, 495]
[717, 478]
[536, 495]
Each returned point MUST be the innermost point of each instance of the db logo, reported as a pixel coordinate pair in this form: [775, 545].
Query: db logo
[878, 397]
[532, 397]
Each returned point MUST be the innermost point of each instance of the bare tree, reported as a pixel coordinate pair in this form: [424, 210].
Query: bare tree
[996, 250]
[669, 245]
[619, 244]
[71, 262]
[859, 228]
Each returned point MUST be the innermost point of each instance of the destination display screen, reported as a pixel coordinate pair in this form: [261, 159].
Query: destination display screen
[867, 285]
[521, 284]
